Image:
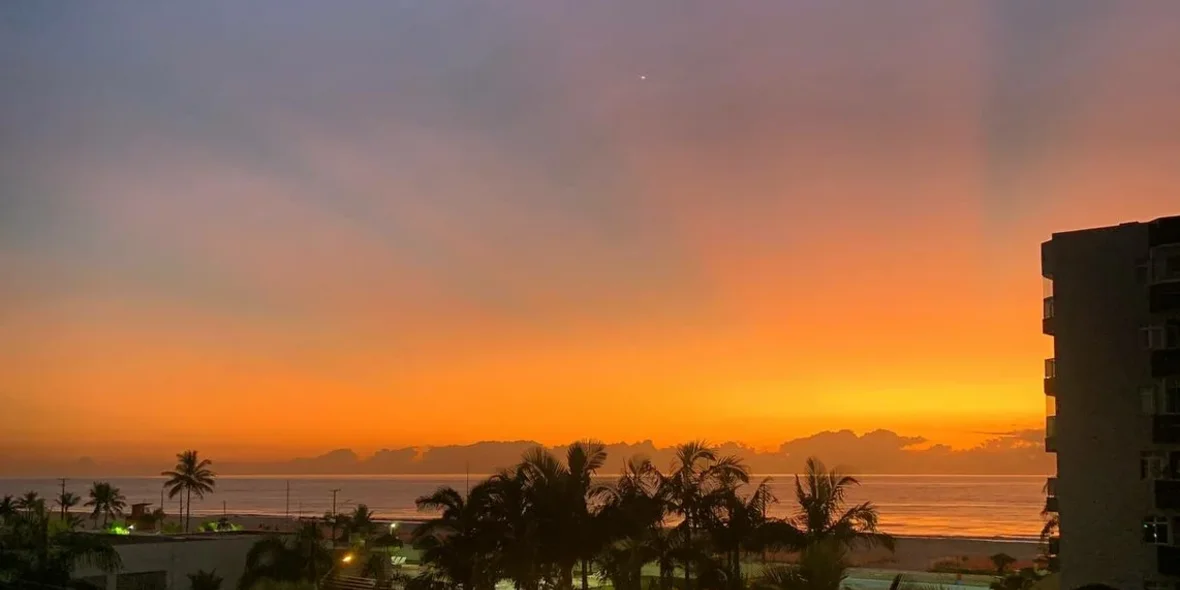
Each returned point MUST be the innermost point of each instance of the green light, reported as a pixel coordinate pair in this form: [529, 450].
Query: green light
[119, 530]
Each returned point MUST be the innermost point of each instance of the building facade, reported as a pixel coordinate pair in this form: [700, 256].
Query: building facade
[163, 562]
[1112, 306]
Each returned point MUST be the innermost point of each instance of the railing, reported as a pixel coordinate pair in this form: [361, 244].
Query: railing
[1162, 266]
[1051, 434]
[1047, 313]
[1051, 486]
[1051, 504]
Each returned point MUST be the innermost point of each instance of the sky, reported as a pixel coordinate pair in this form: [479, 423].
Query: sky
[276, 228]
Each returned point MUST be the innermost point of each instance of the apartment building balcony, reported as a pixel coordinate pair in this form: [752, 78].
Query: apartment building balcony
[1051, 434]
[1051, 495]
[1162, 232]
[1047, 316]
[1050, 385]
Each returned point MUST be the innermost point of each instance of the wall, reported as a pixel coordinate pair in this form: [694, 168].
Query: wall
[180, 556]
[1101, 428]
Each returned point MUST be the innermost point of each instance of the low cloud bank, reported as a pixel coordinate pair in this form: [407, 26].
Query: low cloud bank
[877, 452]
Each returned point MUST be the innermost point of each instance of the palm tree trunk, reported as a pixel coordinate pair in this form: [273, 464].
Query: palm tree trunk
[585, 574]
[737, 569]
[188, 515]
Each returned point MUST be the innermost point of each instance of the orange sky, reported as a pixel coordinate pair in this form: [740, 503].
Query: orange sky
[270, 232]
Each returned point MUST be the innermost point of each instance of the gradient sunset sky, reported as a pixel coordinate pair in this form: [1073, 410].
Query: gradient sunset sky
[272, 228]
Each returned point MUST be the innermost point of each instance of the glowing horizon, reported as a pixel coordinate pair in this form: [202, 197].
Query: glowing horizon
[268, 232]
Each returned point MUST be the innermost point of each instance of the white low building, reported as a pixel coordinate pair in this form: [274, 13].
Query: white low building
[163, 562]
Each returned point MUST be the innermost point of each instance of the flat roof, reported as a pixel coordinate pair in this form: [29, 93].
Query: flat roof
[148, 538]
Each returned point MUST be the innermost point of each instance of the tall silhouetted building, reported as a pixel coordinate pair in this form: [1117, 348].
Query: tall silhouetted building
[1112, 305]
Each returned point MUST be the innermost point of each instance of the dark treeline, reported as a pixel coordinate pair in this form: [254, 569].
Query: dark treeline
[546, 521]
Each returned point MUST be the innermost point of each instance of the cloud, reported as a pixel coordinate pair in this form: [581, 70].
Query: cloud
[878, 451]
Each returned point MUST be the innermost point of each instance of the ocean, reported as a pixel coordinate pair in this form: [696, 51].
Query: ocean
[969, 506]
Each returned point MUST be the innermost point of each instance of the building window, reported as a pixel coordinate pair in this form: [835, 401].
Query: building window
[1160, 337]
[1172, 266]
[1171, 403]
[1153, 464]
[1152, 337]
[1147, 399]
[1155, 530]
[1142, 271]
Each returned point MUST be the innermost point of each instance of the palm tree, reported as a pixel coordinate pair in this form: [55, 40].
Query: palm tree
[106, 500]
[67, 500]
[822, 515]
[821, 566]
[203, 580]
[740, 524]
[631, 517]
[30, 502]
[560, 495]
[302, 558]
[506, 511]
[360, 522]
[192, 476]
[338, 522]
[455, 549]
[698, 472]
[36, 554]
[7, 506]
[377, 566]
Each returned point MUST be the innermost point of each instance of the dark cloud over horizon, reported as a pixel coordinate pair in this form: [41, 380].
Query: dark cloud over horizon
[876, 452]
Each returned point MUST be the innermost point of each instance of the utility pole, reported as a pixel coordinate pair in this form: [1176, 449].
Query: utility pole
[62, 497]
[223, 509]
[287, 510]
[334, 492]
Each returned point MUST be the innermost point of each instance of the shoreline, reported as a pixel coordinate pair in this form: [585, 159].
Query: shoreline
[271, 518]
